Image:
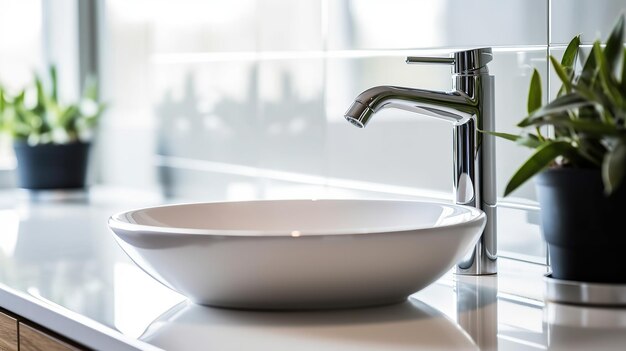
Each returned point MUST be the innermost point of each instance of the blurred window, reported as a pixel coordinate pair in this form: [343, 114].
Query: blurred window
[21, 53]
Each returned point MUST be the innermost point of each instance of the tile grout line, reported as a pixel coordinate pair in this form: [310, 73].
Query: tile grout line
[549, 85]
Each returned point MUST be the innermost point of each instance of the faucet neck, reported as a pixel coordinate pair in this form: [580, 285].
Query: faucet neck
[470, 107]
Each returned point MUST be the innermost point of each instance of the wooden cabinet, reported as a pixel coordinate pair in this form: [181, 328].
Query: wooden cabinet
[32, 339]
[8, 333]
[19, 334]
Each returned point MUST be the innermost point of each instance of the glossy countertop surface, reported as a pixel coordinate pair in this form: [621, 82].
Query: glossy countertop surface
[60, 267]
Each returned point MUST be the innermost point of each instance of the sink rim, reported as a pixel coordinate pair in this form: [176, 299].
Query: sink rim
[120, 221]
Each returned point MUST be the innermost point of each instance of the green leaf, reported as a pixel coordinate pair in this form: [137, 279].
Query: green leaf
[614, 44]
[571, 53]
[531, 141]
[593, 127]
[560, 104]
[54, 82]
[587, 93]
[534, 93]
[613, 167]
[528, 140]
[19, 98]
[602, 104]
[91, 89]
[537, 162]
[2, 102]
[606, 77]
[588, 73]
[41, 98]
[48, 118]
[560, 71]
[549, 119]
[623, 82]
[67, 116]
[568, 61]
[507, 136]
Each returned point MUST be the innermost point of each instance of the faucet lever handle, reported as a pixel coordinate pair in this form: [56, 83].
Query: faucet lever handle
[421, 59]
[467, 61]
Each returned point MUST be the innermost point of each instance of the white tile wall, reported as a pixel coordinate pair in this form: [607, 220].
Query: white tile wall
[207, 111]
[397, 147]
[292, 125]
[245, 98]
[21, 52]
[387, 24]
[591, 19]
[190, 26]
[287, 25]
[513, 69]
[127, 157]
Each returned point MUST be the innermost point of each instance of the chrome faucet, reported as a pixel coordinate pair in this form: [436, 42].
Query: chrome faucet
[470, 107]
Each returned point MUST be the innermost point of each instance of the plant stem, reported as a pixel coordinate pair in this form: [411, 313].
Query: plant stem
[539, 136]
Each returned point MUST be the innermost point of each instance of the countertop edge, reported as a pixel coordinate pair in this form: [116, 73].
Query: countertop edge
[67, 323]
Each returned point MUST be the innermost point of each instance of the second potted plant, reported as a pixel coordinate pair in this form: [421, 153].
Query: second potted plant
[51, 140]
[581, 162]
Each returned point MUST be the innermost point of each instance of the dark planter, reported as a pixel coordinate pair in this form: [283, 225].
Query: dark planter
[51, 166]
[584, 229]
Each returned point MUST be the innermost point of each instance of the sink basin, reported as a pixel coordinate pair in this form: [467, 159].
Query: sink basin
[298, 254]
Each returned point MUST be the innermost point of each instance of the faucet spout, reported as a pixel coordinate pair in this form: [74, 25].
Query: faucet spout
[469, 107]
[454, 106]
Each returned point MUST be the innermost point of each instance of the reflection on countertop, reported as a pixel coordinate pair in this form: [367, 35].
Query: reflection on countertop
[411, 325]
[584, 328]
[62, 255]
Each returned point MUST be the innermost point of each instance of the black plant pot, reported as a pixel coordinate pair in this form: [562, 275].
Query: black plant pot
[584, 229]
[51, 166]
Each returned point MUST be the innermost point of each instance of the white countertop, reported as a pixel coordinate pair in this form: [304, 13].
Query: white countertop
[60, 267]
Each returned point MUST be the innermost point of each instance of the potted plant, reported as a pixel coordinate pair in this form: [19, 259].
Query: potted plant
[580, 162]
[51, 139]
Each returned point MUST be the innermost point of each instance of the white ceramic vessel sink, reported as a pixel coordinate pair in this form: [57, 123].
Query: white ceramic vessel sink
[298, 254]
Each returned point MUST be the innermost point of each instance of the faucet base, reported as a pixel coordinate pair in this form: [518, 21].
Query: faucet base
[478, 270]
[483, 258]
